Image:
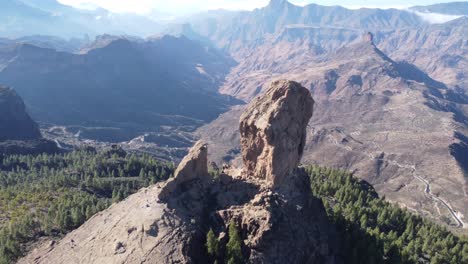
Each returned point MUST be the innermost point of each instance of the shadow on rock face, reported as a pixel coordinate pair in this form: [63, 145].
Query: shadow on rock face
[460, 152]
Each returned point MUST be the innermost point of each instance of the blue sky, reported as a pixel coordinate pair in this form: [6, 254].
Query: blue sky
[178, 6]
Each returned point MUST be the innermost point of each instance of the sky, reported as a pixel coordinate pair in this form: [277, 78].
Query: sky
[184, 6]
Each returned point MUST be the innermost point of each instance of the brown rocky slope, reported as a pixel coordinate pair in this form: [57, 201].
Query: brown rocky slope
[279, 221]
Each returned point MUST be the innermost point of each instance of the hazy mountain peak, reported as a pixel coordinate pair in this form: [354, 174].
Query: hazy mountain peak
[279, 4]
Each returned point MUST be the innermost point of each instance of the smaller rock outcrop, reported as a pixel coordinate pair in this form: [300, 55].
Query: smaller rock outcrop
[369, 37]
[273, 131]
[193, 166]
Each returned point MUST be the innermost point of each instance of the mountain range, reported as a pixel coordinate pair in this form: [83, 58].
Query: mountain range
[319, 134]
[20, 18]
[118, 85]
[390, 105]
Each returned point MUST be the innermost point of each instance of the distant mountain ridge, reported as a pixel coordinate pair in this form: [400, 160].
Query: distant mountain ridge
[137, 86]
[20, 18]
[235, 30]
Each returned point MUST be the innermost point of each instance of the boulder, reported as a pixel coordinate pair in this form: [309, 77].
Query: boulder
[273, 131]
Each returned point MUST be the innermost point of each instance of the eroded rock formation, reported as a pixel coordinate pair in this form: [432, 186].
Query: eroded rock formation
[273, 131]
[278, 219]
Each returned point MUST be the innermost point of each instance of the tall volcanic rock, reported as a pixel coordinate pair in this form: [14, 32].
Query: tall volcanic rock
[15, 123]
[273, 131]
[386, 121]
[169, 223]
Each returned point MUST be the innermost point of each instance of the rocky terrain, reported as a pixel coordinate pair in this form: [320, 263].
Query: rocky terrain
[440, 50]
[391, 108]
[168, 223]
[386, 121]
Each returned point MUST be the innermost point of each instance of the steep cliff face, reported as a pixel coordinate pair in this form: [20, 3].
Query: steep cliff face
[15, 123]
[276, 217]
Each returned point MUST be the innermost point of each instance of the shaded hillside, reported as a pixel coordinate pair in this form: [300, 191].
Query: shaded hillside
[388, 122]
[19, 134]
[15, 123]
[132, 85]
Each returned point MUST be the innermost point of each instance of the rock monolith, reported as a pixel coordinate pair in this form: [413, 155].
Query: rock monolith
[273, 131]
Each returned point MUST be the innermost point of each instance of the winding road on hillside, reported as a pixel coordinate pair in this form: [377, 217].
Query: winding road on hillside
[427, 188]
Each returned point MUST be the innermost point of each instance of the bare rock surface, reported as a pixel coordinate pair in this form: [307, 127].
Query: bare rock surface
[137, 230]
[273, 131]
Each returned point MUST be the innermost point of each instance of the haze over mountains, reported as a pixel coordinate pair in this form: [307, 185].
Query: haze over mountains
[120, 84]
[454, 8]
[37, 17]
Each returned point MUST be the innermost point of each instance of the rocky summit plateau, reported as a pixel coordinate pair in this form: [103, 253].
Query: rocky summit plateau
[273, 208]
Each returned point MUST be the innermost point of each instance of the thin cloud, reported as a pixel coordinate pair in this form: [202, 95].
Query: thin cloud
[436, 18]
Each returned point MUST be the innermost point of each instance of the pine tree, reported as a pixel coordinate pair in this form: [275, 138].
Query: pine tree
[234, 245]
[212, 245]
